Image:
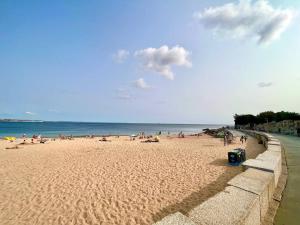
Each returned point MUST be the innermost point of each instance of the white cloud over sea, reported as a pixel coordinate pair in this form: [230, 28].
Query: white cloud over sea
[161, 60]
[257, 20]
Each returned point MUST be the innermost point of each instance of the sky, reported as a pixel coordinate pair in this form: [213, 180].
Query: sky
[148, 61]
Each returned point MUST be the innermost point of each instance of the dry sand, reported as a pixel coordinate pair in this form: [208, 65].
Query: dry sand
[85, 181]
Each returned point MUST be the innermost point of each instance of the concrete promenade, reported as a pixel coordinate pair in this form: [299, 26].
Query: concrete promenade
[289, 210]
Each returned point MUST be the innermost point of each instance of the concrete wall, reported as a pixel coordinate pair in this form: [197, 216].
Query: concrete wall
[288, 127]
[246, 199]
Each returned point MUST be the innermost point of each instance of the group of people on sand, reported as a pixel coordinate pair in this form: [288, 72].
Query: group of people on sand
[243, 139]
[141, 135]
[149, 138]
[38, 138]
[181, 135]
[133, 137]
[35, 139]
[64, 137]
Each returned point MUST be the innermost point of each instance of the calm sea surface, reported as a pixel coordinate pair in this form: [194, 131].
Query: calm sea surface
[52, 129]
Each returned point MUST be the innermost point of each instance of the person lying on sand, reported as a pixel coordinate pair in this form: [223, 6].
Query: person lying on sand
[61, 137]
[43, 141]
[104, 139]
[156, 139]
[14, 147]
[23, 143]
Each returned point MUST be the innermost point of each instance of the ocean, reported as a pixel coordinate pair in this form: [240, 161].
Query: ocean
[53, 129]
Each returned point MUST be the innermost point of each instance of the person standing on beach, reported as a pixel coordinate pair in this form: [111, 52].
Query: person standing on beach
[225, 139]
[242, 139]
[245, 138]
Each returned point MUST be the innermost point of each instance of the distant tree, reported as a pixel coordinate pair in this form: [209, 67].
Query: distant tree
[264, 117]
[244, 119]
[280, 116]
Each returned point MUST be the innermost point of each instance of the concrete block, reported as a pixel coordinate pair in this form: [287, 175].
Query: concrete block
[258, 182]
[275, 148]
[272, 139]
[175, 219]
[274, 157]
[233, 206]
[265, 165]
[274, 143]
[271, 156]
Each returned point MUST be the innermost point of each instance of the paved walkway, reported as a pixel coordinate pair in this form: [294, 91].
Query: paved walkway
[289, 210]
[236, 133]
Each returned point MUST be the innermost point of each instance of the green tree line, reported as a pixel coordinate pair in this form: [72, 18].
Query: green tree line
[265, 117]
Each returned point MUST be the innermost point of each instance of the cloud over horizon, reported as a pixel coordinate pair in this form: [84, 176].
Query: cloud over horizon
[30, 113]
[247, 19]
[121, 55]
[265, 84]
[161, 60]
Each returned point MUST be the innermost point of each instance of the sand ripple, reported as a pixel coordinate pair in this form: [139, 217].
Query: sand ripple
[84, 181]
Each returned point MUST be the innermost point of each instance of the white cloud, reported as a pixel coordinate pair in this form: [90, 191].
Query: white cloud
[246, 19]
[30, 113]
[121, 55]
[140, 83]
[265, 84]
[161, 59]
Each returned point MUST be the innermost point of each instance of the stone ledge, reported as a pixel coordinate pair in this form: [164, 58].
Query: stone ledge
[275, 148]
[175, 219]
[270, 165]
[258, 182]
[274, 157]
[275, 142]
[233, 206]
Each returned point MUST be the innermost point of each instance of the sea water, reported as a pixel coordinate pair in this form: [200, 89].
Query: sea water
[53, 129]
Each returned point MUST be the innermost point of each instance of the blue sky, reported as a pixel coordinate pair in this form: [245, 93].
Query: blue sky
[61, 60]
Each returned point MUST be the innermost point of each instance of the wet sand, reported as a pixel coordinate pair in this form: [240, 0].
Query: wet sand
[85, 181]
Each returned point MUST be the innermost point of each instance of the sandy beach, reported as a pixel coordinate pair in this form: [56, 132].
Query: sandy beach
[85, 181]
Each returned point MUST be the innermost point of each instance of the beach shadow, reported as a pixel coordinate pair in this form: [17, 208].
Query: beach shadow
[219, 162]
[199, 196]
